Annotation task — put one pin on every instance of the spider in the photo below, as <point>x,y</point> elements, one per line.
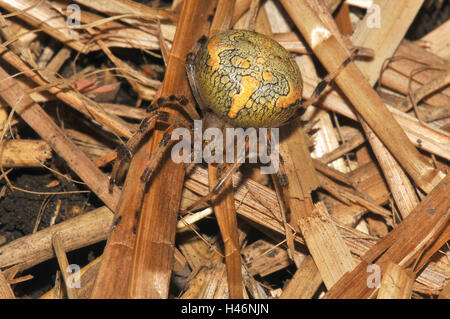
<point>239,78</point>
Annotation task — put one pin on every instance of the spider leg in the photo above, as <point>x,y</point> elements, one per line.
<point>173,101</point>
<point>321,86</point>
<point>217,189</point>
<point>126,151</point>
<point>281,182</point>
<point>165,144</point>
<point>224,178</point>
<point>190,72</point>
<point>281,175</point>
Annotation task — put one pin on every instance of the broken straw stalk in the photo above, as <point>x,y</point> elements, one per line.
<point>24,153</point>
<point>361,94</point>
<point>95,225</point>
<point>36,117</point>
<point>430,139</point>
<point>48,16</point>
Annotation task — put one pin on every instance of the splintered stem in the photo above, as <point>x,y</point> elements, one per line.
<point>365,100</point>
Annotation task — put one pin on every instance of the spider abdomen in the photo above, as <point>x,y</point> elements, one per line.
<point>247,79</point>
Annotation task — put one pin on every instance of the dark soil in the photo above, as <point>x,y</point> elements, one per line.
<point>18,215</point>
<point>19,210</point>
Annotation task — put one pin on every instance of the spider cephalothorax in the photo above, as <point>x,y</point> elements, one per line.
<point>246,78</point>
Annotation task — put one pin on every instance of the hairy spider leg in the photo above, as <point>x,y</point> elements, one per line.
<point>127,150</point>
<point>217,189</point>
<point>165,144</point>
<point>281,179</point>
<point>229,170</point>
<point>322,85</point>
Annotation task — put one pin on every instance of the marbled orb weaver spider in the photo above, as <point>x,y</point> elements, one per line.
<point>239,78</point>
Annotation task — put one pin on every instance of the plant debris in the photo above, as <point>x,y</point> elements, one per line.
<point>358,209</point>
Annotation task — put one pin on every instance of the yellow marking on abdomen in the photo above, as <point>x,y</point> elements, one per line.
<point>268,77</point>
<point>292,97</point>
<point>214,50</point>
<point>248,85</point>
<point>240,62</point>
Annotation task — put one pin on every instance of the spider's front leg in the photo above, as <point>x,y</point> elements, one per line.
<point>165,143</point>
<point>322,85</point>
<point>126,151</point>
